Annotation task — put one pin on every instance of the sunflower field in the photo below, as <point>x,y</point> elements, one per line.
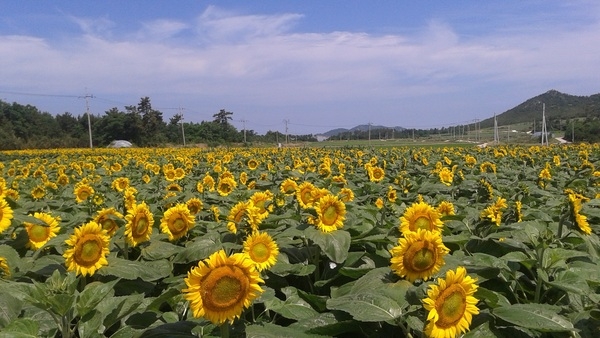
<point>301,242</point>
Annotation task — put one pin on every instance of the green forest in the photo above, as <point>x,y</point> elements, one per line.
<point>26,127</point>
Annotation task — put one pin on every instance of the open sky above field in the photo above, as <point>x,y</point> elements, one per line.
<point>319,65</point>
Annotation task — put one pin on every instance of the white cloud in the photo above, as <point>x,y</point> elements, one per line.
<point>259,61</point>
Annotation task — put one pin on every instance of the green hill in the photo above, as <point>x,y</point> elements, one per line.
<point>559,106</point>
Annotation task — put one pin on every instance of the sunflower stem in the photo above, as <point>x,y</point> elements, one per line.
<point>126,250</point>
<point>224,328</point>
<point>538,286</point>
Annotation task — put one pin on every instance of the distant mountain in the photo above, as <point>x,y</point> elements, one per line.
<point>558,106</point>
<point>361,127</point>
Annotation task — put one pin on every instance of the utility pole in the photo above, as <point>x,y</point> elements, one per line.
<point>244,122</point>
<point>369,132</point>
<point>544,132</point>
<point>182,129</point>
<point>496,138</point>
<point>286,121</point>
<point>87,110</point>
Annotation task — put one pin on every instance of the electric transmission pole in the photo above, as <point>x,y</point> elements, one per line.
<point>87,110</point>
<point>286,121</point>
<point>182,129</point>
<point>244,122</point>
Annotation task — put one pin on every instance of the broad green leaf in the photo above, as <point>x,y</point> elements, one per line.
<point>267,330</point>
<point>198,249</point>
<point>293,307</point>
<point>10,307</point>
<point>534,316</point>
<point>159,250</point>
<point>21,328</point>
<point>554,255</point>
<point>93,294</point>
<point>332,324</point>
<point>367,307</point>
<point>171,330</point>
<point>571,282</point>
<point>334,244</point>
<point>126,269</point>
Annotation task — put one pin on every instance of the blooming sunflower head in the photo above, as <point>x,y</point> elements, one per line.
<point>6,215</point>
<point>194,205</point>
<point>304,195</point>
<point>446,176</point>
<point>451,304</point>
<point>120,184</point>
<point>109,219</point>
<point>420,216</point>
<point>88,248</point>
<point>376,174</point>
<point>83,192</point>
<point>262,250</point>
<point>331,213</point>
<point>446,208</point>
<point>40,234</point>
<point>346,195</point>
<point>419,255</point>
<point>177,221</point>
<point>288,186</point>
<point>139,224</point>
<point>226,186</point>
<point>38,192</point>
<point>222,286</point>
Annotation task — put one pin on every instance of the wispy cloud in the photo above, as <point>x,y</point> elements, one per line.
<point>261,62</point>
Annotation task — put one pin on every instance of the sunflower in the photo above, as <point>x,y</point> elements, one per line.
<point>243,178</point>
<point>129,197</point>
<point>446,208</point>
<point>40,234</point>
<point>82,192</point>
<point>262,250</point>
<point>139,224</point>
<point>179,173</point>
<point>420,216</point>
<point>379,203</point>
<point>252,164</point>
<point>38,192</point>
<point>240,212</point>
<point>419,255</point>
<point>582,223</point>
<point>346,195</point>
<point>392,194</point>
<point>222,286</point>
<point>6,215</point>
<point>304,194</point>
<point>177,221</point>
<point>174,187</point>
<point>446,176</point>
<point>376,174</point>
<point>4,268</point>
<point>146,178</point>
<point>260,200</point>
<point>3,187</point>
<point>107,218</point>
<point>451,304</point>
<point>288,186</point>
<point>209,182</point>
<point>88,249</point>
<point>194,205</point>
<point>226,186</point>
<point>120,184</point>
<point>331,213</point>
<point>170,174</point>
<point>62,180</point>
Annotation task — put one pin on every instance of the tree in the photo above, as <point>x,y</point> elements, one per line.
<point>222,117</point>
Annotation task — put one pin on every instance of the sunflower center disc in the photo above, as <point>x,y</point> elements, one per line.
<point>260,252</point>
<point>38,233</point>
<point>226,291</point>
<point>90,251</point>
<point>84,195</point>
<point>178,225</point>
<point>452,306</point>
<point>141,227</point>
<point>422,223</point>
<point>423,259</point>
<point>108,224</point>
<point>330,215</point>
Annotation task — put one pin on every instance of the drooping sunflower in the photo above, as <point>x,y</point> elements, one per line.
<point>446,208</point>
<point>108,218</point>
<point>194,205</point>
<point>177,221</point>
<point>4,268</point>
<point>82,192</point>
<point>420,216</point>
<point>446,176</point>
<point>88,249</point>
<point>451,304</point>
<point>222,286</point>
<point>242,211</point>
<point>139,224</point>
<point>331,213</point>
<point>262,250</point>
<point>346,195</point>
<point>209,182</point>
<point>261,200</point>
<point>129,197</point>
<point>419,255</point>
<point>40,234</point>
<point>6,215</point>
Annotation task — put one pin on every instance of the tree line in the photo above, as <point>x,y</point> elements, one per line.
<point>26,127</point>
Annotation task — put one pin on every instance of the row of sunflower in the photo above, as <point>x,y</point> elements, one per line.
<point>300,242</point>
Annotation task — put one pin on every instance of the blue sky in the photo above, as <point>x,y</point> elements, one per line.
<point>318,64</point>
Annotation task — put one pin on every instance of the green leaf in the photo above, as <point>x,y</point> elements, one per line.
<point>160,250</point>
<point>334,244</point>
<point>328,323</point>
<point>534,316</point>
<point>367,307</point>
<point>293,307</point>
<point>571,282</point>
<point>266,330</point>
<point>554,255</point>
<point>126,269</point>
<point>92,295</point>
<point>10,307</point>
<point>198,249</point>
<point>21,328</point>
<point>172,330</point>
